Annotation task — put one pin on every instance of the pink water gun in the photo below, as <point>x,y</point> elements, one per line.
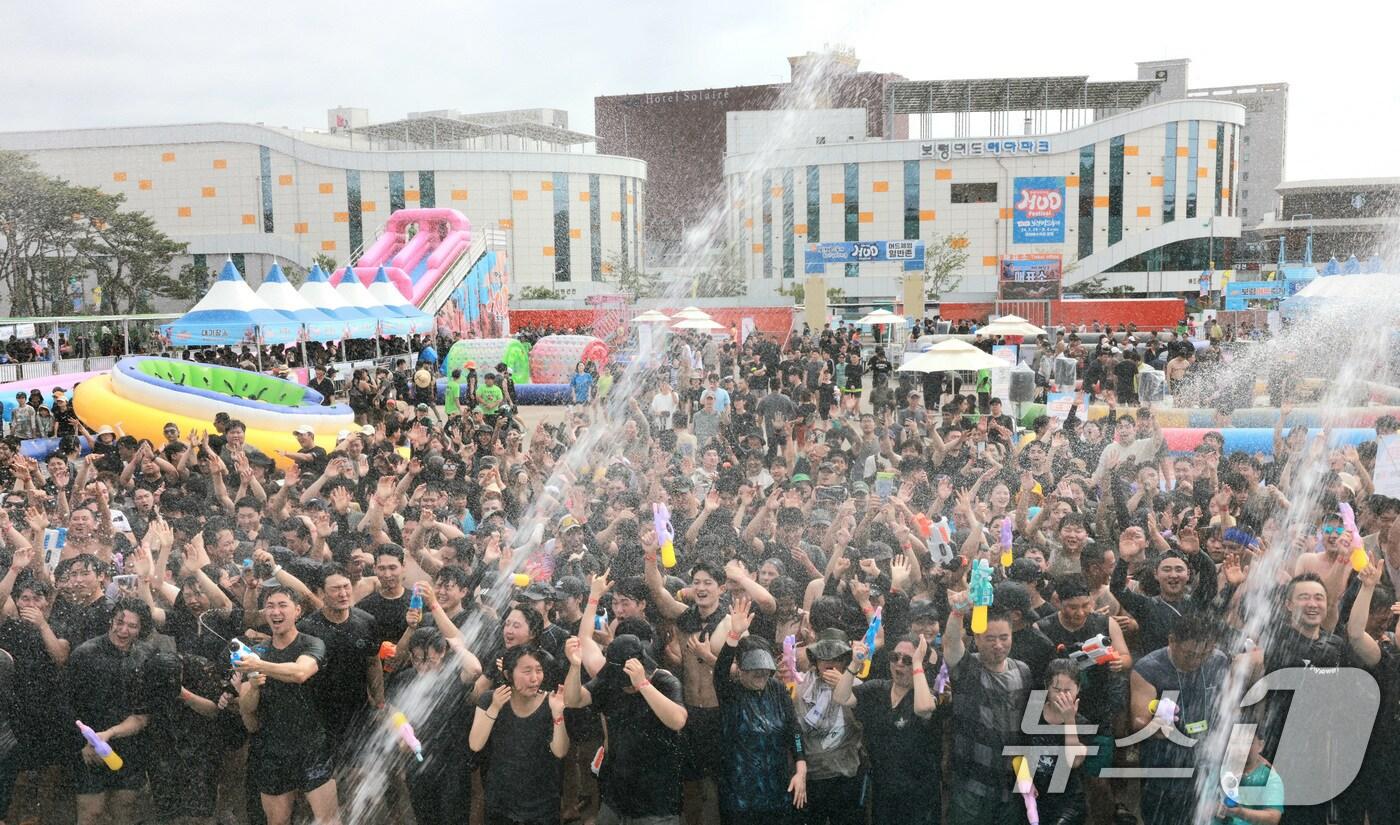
<point>940,682</point>
<point>1026,788</point>
<point>1359,559</point>
<point>1006,557</point>
<point>665,535</point>
<point>791,676</point>
<point>406,734</point>
<point>104,751</point>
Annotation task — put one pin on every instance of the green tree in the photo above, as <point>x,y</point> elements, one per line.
<point>541,293</point>
<point>797,291</point>
<point>724,278</point>
<point>131,258</point>
<point>326,262</point>
<point>1096,287</point>
<point>634,280</point>
<point>944,260</point>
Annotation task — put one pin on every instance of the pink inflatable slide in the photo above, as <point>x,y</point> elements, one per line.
<point>415,264</point>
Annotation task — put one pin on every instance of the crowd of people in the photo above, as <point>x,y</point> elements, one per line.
<point>775,581</point>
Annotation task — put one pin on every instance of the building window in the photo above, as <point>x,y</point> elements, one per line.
<point>562,270</point>
<point>852,187</point>
<point>637,222</point>
<point>767,195</point>
<point>396,199</point>
<point>1219,166</point>
<point>1234,184</point>
<point>622,207</point>
<point>789,219</point>
<point>427,190</point>
<point>352,206</point>
<point>265,175</point>
<point>911,200</point>
<point>814,205</point>
<point>1086,201</point>
<point>973,193</point>
<point>595,228</point>
<point>1189,255</point>
<point>1193,162</point>
<point>1169,175</point>
<point>1115,190</point>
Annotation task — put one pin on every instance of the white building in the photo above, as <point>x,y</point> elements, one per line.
<point>1136,196</point>
<point>264,194</point>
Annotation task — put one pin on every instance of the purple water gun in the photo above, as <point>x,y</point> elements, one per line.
<point>665,535</point>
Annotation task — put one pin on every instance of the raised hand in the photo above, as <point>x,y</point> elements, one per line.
<point>635,671</point>
<point>572,652</point>
<point>499,697</point>
<point>740,615</point>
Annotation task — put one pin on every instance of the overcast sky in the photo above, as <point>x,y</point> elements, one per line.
<point>91,63</point>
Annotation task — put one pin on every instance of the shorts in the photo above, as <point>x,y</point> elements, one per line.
<point>96,779</point>
<point>275,775</point>
<point>1095,763</point>
<point>607,816</point>
<point>702,754</point>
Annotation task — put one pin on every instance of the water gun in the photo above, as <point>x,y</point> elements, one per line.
<point>1026,788</point>
<point>870,633</point>
<point>940,682</point>
<point>790,663</point>
<point>1006,557</point>
<point>415,602</point>
<point>980,592</point>
<point>104,750</point>
<point>387,650</point>
<point>1359,559</point>
<point>1090,652</point>
<point>665,534</point>
<point>238,651</point>
<point>406,734</point>
<point>1163,710</point>
<point>520,579</point>
<point>600,620</point>
<point>1230,784</point>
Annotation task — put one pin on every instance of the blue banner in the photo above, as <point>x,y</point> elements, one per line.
<point>1039,211</point>
<point>821,255</point>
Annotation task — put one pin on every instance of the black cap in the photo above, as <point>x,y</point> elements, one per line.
<point>1024,570</point>
<point>570,586</point>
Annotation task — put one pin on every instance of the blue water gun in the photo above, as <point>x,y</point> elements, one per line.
<point>876,621</point>
<point>980,592</point>
<point>415,602</point>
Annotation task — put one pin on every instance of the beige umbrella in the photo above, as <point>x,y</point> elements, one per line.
<point>881,317</point>
<point>698,323</point>
<point>651,316</point>
<point>692,314</point>
<point>953,356</point>
<point>1011,325</point>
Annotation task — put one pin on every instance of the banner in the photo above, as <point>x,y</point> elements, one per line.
<point>1029,279</point>
<point>1387,475</point>
<point>910,254</point>
<point>1039,211</point>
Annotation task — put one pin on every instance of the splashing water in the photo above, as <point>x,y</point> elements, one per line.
<point>378,751</point>
<point>1346,343</point>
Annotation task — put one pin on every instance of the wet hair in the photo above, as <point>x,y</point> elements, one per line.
<point>283,590</point>
<point>1194,626</point>
<point>131,604</point>
<point>712,568</point>
<point>454,575</point>
<point>332,569</point>
<point>533,620</point>
<point>636,627</point>
<point>1061,667</point>
<point>513,655</point>
<point>87,560</point>
<point>1072,586</point>
<point>427,638</point>
<point>1300,579</point>
<point>388,548</point>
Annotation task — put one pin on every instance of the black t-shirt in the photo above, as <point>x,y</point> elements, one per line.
<point>339,687</point>
<point>326,387</point>
<point>523,780</point>
<point>1320,658</point>
<point>104,683</point>
<point>1031,646</point>
<point>445,730</point>
<point>77,623</point>
<point>390,615</point>
<point>317,465</point>
<point>905,751</point>
<point>205,635</point>
<point>1102,692</point>
<point>641,772</point>
<point>287,719</point>
<point>38,711</point>
<point>880,371</point>
<point>1069,805</point>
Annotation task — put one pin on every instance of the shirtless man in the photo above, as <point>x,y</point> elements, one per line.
<point>1176,371</point>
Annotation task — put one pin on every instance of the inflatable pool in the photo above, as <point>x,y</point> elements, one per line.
<point>1247,417</point>
<point>144,394</point>
<point>487,353</point>
<point>44,385</point>
<point>1251,439</point>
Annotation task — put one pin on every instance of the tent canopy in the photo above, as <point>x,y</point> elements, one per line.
<point>277,292</point>
<point>384,291</point>
<point>231,313</point>
<point>318,292</point>
<point>357,295</point>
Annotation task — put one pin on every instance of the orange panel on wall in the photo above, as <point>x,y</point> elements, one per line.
<point>585,196</point>
<point>799,229</point>
<point>989,260</point>
<point>1101,200</point>
<point>411,195</point>
<point>206,192</point>
<point>1071,181</point>
<point>284,180</point>
<point>928,215</point>
<point>758,248</point>
<point>1224,192</point>
<point>519,195</point>
<point>607,268</point>
<point>1144,211</point>
<point>943,173</point>
<point>185,212</point>
<point>748,223</point>
<point>368,206</point>
<point>777,193</point>
<point>838,197</point>
<point>575,233</point>
<point>631,199</point>
<point>960,242</point>
<point>1202,172</point>
<point>1157,180</point>
<point>1005,214</point>
<point>867,217</point>
<point>143,184</point>
<point>299,228</point>
<point>249,220</point>
<point>167,157</point>
<point>459,194</point>
<point>507,223</point>
<point>327,246</point>
<point>326,188</point>
<point>342,217</point>
<point>220,163</point>
<point>1182,151</point>
<point>880,186</point>
<point>547,186</point>
<point>118,176</point>
<point>549,251</point>
<point>616,217</point>
<point>1130,151</point>
<point>1211,144</point>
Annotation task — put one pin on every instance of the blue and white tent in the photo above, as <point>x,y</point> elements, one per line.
<point>356,295</point>
<point>318,292</point>
<point>278,293</point>
<point>384,291</point>
<point>231,313</point>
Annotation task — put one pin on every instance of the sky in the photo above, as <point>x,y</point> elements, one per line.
<point>141,62</point>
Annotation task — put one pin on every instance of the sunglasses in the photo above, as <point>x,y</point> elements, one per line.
<point>902,659</point>
<point>1333,531</point>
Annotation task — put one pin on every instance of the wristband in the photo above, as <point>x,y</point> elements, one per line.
<point>868,609</point>
<point>558,720</point>
<point>855,672</point>
<point>918,671</point>
<point>734,637</point>
<point>643,683</point>
<point>489,716</point>
<point>650,557</point>
<point>592,600</point>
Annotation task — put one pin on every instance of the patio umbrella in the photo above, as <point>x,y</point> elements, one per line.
<point>1011,325</point>
<point>651,316</point>
<point>693,314</point>
<point>698,323</point>
<point>953,356</point>
<point>881,317</point>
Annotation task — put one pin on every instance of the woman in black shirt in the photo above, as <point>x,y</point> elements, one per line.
<point>519,727</point>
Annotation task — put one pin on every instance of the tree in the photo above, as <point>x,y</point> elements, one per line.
<point>541,293</point>
<point>131,258</point>
<point>943,264</point>
<point>326,262</point>
<point>1095,287</point>
<point>631,279</point>
<point>724,278</point>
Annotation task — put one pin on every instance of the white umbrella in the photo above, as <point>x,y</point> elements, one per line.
<point>651,316</point>
<point>693,314</point>
<point>953,356</point>
<point>1011,325</point>
<point>698,323</point>
<point>881,317</point>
